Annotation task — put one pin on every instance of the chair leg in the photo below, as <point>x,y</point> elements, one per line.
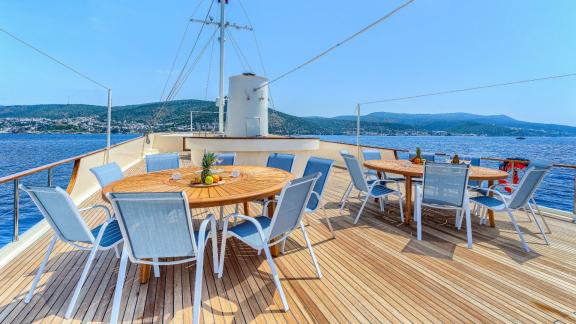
<point>119,287</point>
<point>468,226</point>
<point>276,277</point>
<point>40,270</point>
<point>346,194</point>
<point>346,197</point>
<point>361,208</point>
<point>519,231</point>
<point>156,268</point>
<point>214,243</point>
<point>283,247</point>
<point>401,204</point>
<point>328,222</point>
<point>549,231</point>
<point>460,217</point>
<point>198,284</point>
<point>117,252</point>
<point>381,203</point>
<point>83,277</point>
<point>314,260</point>
<point>222,251</point>
<point>539,225</point>
<point>418,218</point>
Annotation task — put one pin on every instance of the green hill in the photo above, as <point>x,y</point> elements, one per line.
<point>175,115</point>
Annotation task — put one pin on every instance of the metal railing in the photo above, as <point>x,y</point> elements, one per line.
<point>49,168</point>
<point>396,151</point>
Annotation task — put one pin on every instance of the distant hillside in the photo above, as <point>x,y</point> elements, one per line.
<point>175,116</point>
<point>492,125</point>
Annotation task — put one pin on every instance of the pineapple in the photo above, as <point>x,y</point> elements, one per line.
<point>456,159</point>
<point>207,160</point>
<point>418,158</point>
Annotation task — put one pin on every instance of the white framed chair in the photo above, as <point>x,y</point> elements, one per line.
<point>159,225</point>
<point>162,161</point>
<point>444,186</point>
<point>371,176</point>
<point>69,227</point>
<point>519,199</point>
<point>262,232</point>
<point>371,189</point>
<point>316,165</point>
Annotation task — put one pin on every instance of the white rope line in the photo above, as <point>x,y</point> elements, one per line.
<point>333,47</point>
<point>179,49</point>
<point>469,89</point>
<point>182,71</point>
<point>53,59</point>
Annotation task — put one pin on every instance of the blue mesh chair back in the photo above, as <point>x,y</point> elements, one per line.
<point>535,173</point>
<point>431,157</point>
<point>107,173</point>
<point>369,155</point>
<point>61,213</point>
<point>445,184</point>
<point>474,161</point>
<point>280,161</point>
<point>225,158</point>
<point>291,205</point>
<point>155,225</point>
<point>356,172</point>
<point>320,166</point>
<point>162,161</point>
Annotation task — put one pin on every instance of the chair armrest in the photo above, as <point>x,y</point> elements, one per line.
<point>499,194</point>
<point>106,210</point>
<point>251,220</point>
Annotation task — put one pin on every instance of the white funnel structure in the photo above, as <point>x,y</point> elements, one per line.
<point>247,111</point>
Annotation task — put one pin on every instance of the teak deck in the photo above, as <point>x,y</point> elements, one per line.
<point>375,271</point>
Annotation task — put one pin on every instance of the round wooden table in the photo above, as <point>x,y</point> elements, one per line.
<point>253,183</point>
<point>410,171</point>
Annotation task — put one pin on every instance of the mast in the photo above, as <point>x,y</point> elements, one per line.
<point>222,24</point>
<point>221,82</point>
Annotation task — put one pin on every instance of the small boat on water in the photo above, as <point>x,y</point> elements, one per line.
<point>520,138</point>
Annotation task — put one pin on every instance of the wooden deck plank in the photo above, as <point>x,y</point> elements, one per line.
<point>373,271</point>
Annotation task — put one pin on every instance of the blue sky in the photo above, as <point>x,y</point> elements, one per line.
<point>432,45</point>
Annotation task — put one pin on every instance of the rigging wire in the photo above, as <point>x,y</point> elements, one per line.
<point>195,62</point>
<point>333,47</point>
<point>209,69</point>
<point>54,59</point>
<point>179,49</point>
<point>243,60</point>
<point>182,71</point>
<point>494,85</point>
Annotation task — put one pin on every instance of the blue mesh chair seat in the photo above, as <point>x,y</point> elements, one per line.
<point>158,226</point>
<point>519,199</point>
<point>162,161</point>
<point>249,232</point>
<point>375,189</point>
<point>64,218</point>
<point>107,173</point>
<point>262,232</point>
<point>111,234</point>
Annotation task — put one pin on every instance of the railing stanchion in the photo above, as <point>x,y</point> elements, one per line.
<point>16,209</point>
<point>574,200</point>
<point>50,177</point>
